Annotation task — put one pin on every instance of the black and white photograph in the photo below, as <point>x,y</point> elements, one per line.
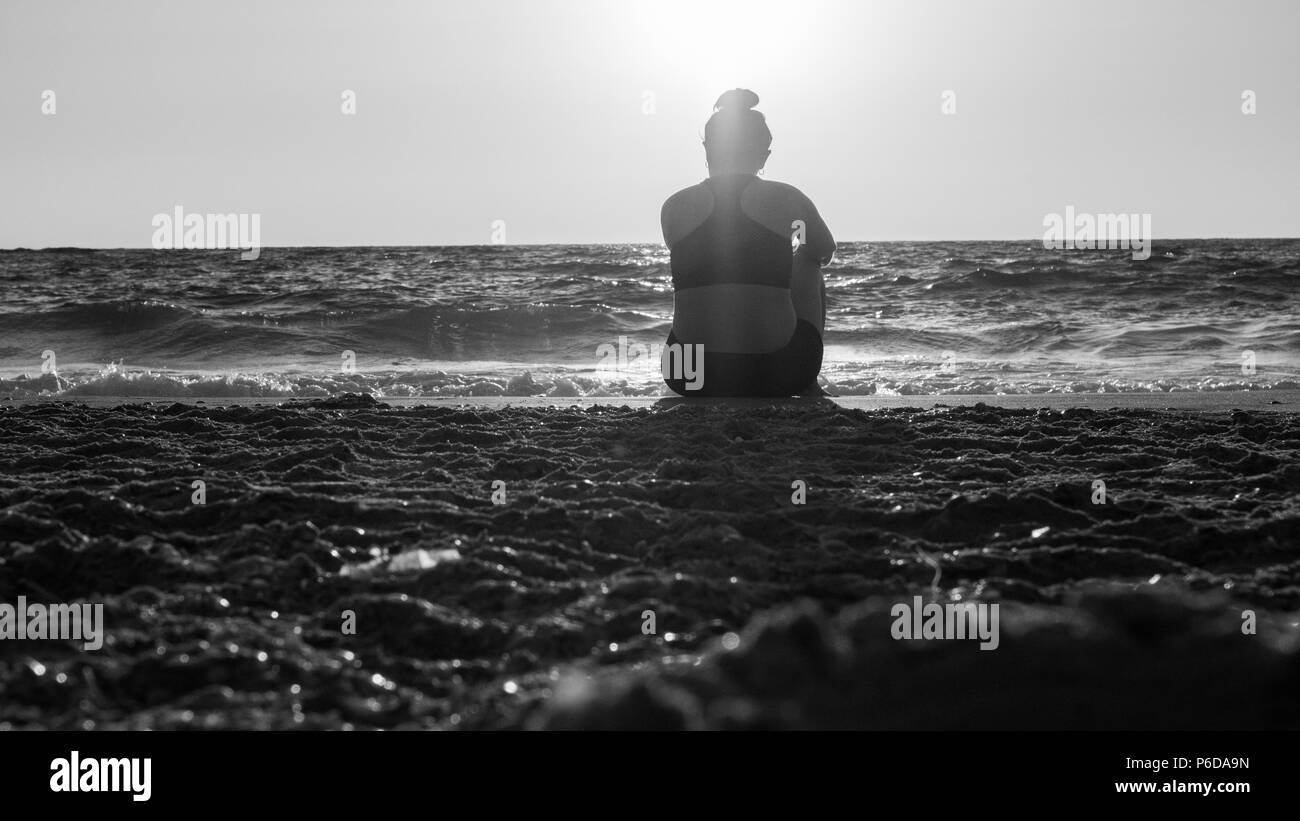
<point>384,376</point>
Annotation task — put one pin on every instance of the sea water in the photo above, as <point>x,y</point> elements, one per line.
<point>904,318</point>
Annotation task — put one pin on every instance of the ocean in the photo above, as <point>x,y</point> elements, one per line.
<point>910,318</point>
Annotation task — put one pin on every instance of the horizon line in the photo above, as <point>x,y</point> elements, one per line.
<point>17,248</point>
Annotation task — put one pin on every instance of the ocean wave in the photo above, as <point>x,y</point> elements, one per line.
<point>917,378</point>
<point>117,316</point>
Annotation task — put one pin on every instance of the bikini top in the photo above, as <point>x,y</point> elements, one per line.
<point>731,248</point>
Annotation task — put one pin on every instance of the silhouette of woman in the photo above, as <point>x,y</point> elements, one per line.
<point>740,288</point>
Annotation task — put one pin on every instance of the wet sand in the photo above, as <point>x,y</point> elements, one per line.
<point>767,612</point>
<point>1177,400</point>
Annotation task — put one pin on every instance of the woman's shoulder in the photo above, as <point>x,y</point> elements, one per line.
<point>774,204</point>
<point>685,210</point>
<point>689,195</point>
<point>777,191</point>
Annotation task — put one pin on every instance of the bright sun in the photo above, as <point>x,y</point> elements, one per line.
<point>719,44</point>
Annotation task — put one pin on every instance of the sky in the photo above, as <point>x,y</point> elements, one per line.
<point>570,121</point>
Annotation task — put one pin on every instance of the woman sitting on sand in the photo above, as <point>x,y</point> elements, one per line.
<point>740,290</point>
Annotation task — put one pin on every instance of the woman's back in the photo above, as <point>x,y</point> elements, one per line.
<point>731,262</point>
<point>732,240</point>
<point>746,261</point>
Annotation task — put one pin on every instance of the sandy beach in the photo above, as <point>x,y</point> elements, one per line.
<point>345,562</point>
<point>381,381</point>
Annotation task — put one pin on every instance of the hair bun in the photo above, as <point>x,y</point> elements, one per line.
<point>737,98</point>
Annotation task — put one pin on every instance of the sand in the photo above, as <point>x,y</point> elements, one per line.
<point>766,613</point>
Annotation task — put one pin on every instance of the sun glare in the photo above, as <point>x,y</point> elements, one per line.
<point>718,44</point>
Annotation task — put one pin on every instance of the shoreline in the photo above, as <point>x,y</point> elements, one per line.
<point>1206,401</point>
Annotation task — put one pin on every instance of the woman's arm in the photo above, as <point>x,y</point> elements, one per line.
<point>817,237</point>
<point>808,290</point>
<point>807,284</point>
